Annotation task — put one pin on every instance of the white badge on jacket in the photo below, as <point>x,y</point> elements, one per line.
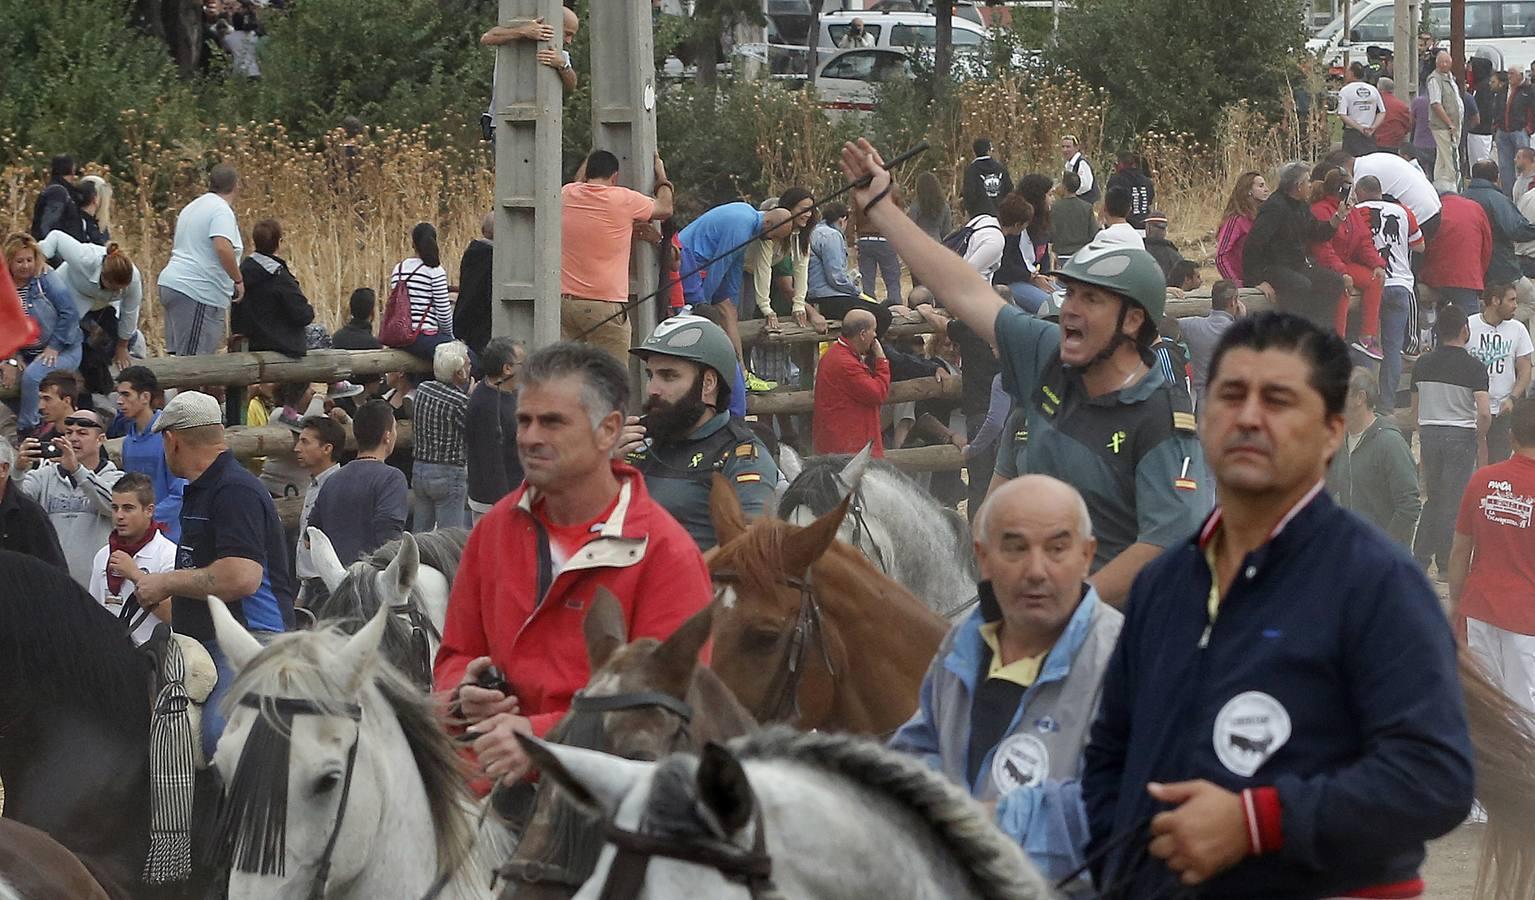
<point>1020,761</point>
<point>1250,729</point>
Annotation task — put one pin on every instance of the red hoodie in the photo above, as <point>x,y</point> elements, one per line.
<point>1351,244</point>
<point>639,553</point>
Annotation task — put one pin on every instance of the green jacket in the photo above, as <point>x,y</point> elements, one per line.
<point>1378,480</point>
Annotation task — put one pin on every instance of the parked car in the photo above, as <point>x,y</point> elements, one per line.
<point>1504,26</point>
<point>848,81</point>
<point>894,30</point>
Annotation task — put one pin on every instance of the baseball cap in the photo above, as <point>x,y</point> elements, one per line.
<point>189,409</point>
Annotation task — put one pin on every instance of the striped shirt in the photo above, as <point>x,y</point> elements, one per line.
<point>439,424</point>
<point>428,287</point>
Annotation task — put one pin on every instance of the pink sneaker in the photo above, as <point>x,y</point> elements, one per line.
<point>1369,346</point>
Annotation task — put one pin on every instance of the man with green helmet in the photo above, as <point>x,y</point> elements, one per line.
<point>687,433</point>
<point>1099,415</point>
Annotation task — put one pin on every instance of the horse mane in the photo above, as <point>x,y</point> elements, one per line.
<point>996,864</point>
<point>301,664</point>
<point>72,652</point>
<point>756,556</point>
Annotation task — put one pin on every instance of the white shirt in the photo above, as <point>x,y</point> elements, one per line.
<point>1526,204</point>
<point>194,267</point>
<point>1497,348</point>
<point>1395,231</point>
<point>984,252</point>
<point>242,53</point>
<point>1402,180</point>
<point>1079,164</point>
<point>1121,233</point>
<point>159,555</point>
<point>1360,103</point>
<point>302,566</point>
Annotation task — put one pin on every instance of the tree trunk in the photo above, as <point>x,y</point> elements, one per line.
<point>943,50</point>
<point>706,35</point>
<point>813,41</point>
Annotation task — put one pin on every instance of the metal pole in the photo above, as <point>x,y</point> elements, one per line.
<point>528,111</point>
<point>623,80</point>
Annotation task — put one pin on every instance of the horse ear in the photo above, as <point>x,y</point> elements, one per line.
<point>723,789</point>
<point>725,510</point>
<point>322,555</point>
<point>361,652</point>
<point>806,545</point>
<point>402,570</point>
<point>596,781</point>
<point>677,656</point>
<point>789,462</point>
<point>239,645</point>
<point>852,473</point>
<point>604,628</point>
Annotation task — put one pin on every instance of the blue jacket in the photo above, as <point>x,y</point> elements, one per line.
<point>1044,738</point>
<point>47,300</point>
<point>1509,227</point>
<point>1327,683</point>
<point>144,451</point>
<point>828,265</point>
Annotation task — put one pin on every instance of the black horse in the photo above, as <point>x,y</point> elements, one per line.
<point>74,724</point>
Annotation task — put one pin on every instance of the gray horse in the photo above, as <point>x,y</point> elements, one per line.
<point>892,520</point>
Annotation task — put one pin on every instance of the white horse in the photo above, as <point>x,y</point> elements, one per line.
<point>339,779</point>
<point>892,520</point>
<point>411,577</point>
<point>838,818</point>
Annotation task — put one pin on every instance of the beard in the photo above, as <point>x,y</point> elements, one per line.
<point>668,422</point>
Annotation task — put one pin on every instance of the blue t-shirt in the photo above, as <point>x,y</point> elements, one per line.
<point>720,229</point>
<point>227,512</point>
<point>144,451</point>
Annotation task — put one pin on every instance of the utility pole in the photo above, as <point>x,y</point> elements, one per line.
<point>623,80</point>
<point>1404,65</point>
<point>528,112</point>
<point>1458,37</point>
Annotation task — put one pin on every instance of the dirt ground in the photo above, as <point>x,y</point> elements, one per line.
<point>1451,867</point>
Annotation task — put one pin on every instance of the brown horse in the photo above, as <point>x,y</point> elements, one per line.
<point>807,630</point>
<point>644,701</point>
<point>37,867</point>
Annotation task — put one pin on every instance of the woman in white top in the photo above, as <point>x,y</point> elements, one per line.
<point>431,309</point>
<point>101,277</point>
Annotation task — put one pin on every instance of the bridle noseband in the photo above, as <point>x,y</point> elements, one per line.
<point>626,877</point>
<point>781,698</point>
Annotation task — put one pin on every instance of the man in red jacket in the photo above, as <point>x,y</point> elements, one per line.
<point>849,391</point>
<point>1455,264</point>
<point>581,521</point>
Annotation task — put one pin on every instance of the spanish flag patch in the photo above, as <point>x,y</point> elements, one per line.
<point>748,478</point>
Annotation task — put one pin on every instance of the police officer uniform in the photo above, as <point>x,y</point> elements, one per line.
<point>680,475</point>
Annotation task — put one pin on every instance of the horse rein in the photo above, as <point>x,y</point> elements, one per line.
<point>785,684</point>
<point>860,526</point>
<point>626,877</point>
<point>422,633</point>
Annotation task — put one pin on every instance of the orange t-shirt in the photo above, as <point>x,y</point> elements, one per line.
<point>596,232</point>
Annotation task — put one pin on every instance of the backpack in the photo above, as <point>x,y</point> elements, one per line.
<point>396,329</point>
<point>958,240</point>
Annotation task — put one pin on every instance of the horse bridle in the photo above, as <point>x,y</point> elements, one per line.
<point>860,526</point>
<point>422,632</point>
<point>538,871</point>
<point>626,877</point>
<point>781,698</point>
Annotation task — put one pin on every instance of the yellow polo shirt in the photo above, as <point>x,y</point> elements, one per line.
<point>1022,671</point>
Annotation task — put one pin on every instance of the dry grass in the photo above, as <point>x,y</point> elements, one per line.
<point>346,208</point>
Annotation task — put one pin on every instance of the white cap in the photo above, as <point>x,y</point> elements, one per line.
<point>189,409</point>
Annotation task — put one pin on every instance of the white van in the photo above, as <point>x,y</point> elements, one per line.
<point>1506,26</point>
<point>895,31</point>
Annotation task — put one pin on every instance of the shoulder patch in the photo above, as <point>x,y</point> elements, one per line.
<point>1185,421</point>
<point>747,450</point>
<point>748,478</point>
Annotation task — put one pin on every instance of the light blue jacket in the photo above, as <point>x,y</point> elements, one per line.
<point>1048,730</point>
<point>47,300</point>
<point>828,265</point>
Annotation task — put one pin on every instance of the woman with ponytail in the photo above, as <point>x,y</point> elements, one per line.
<point>101,278</point>
<point>425,280</point>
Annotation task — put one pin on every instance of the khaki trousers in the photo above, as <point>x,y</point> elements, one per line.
<point>1447,156</point>
<point>579,320</point>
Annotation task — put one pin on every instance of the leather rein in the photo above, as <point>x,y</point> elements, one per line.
<point>752,868</point>
<point>781,698</point>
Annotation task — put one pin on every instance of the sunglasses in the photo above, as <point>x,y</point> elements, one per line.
<point>82,421</point>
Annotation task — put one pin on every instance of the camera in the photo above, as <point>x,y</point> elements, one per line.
<point>493,680</point>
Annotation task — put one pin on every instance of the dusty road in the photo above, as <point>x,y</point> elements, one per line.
<point>1451,869</point>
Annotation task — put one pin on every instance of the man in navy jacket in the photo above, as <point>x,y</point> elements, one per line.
<point>1283,705</point>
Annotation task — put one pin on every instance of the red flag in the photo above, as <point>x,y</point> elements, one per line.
<point>17,329</point>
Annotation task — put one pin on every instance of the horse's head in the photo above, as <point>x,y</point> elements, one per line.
<point>331,762</point>
<point>817,486</point>
<point>770,643</point>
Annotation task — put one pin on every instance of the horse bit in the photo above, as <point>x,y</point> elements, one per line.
<point>791,667</point>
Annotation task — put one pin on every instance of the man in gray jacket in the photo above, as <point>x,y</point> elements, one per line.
<point>1373,473</point>
<point>1509,226</point>
<point>1006,705</point>
<point>74,488</point>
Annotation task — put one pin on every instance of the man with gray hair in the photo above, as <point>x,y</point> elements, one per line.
<point>203,275</point>
<point>24,526</point>
<point>1007,702</point>
<point>1278,249</point>
<point>582,521</point>
<point>1373,473</point>
<point>1446,115</point>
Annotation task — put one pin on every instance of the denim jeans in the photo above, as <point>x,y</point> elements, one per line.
<point>1029,297</point>
<point>1449,458</point>
<point>1468,299</point>
<point>1395,311</point>
<point>33,375</point>
<point>213,708</point>
<point>425,345</point>
<point>440,496</point>
<point>878,255</point>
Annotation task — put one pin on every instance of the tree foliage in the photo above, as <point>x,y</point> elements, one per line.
<point>1174,64</point>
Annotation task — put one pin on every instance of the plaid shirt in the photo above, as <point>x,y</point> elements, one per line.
<point>439,424</point>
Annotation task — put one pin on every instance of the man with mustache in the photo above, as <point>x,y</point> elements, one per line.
<point>1099,414</point>
<point>688,433</point>
<point>1283,705</point>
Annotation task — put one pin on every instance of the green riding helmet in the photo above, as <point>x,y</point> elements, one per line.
<point>1127,271</point>
<point>693,338</point>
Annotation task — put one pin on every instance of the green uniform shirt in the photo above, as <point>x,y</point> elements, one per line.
<point>679,476</point>
<point>1132,453</point>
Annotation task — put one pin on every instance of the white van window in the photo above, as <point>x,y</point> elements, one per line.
<point>927,36</point>
<point>1481,21</point>
<point>1518,20</point>
<point>868,65</point>
<point>1374,27</point>
<point>838,32</point>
